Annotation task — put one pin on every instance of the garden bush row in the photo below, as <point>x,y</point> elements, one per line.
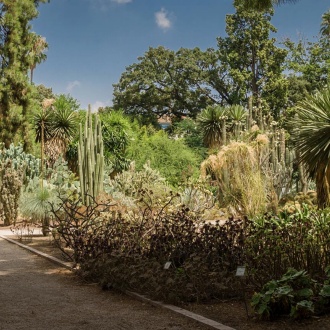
<point>129,250</point>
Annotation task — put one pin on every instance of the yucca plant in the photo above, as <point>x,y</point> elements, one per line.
<point>60,122</point>
<point>212,122</point>
<point>311,136</point>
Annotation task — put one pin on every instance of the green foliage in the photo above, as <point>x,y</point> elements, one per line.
<point>182,83</point>
<point>172,158</point>
<point>188,130</point>
<point>293,294</point>
<point>129,251</point>
<point>117,132</point>
<point>16,169</point>
<point>127,185</point>
<point>251,60</point>
<point>309,132</point>
<point>298,240</point>
<point>15,90</point>
<point>163,82</point>
<point>11,181</point>
<point>212,122</point>
<point>59,121</point>
<point>20,160</point>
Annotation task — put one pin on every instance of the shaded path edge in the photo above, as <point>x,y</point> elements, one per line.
<point>68,265</point>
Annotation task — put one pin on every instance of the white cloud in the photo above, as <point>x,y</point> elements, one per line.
<point>104,5</point>
<point>121,1</point>
<point>99,104</point>
<point>71,85</point>
<point>162,19</point>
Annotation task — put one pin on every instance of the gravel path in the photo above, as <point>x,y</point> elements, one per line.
<point>36,294</point>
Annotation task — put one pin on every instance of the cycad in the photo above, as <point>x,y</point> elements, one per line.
<point>311,136</point>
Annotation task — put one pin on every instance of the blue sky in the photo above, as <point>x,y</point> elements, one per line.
<point>92,41</point>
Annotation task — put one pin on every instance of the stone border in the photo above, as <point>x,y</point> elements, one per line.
<point>68,265</point>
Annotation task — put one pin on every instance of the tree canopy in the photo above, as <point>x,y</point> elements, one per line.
<point>15,62</point>
<point>182,83</point>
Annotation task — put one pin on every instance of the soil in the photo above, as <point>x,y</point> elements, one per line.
<point>233,313</point>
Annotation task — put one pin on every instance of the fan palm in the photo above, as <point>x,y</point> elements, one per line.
<point>325,24</point>
<point>212,122</point>
<point>37,53</point>
<point>311,136</point>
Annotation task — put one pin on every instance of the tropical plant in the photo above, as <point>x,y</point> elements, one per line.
<point>37,54</point>
<point>55,125</point>
<point>325,25</point>
<point>212,122</point>
<point>292,294</point>
<point>310,130</point>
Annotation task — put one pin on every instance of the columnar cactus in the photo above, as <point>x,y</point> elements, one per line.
<point>91,159</point>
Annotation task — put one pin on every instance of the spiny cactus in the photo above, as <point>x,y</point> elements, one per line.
<point>91,159</point>
<point>21,161</point>
<point>11,181</point>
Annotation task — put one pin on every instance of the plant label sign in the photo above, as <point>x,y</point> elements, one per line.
<point>240,271</point>
<point>167,265</point>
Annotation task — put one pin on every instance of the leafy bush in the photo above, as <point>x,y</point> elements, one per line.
<point>129,250</point>
<point>295,294</point>
<point>172,158</point>
<point>301,241</point>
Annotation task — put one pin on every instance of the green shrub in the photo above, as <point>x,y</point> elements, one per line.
<point>172,158</point>
<point>295,294</point>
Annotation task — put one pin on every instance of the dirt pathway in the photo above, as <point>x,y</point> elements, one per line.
<point>37,295</point>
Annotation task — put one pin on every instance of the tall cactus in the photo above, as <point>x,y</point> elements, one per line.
<point>91,159</point>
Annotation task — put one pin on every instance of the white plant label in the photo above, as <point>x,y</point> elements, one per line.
<point>167,265</point>
<point>240,271</point>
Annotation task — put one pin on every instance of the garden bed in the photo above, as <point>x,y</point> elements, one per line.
<point>229,312</point>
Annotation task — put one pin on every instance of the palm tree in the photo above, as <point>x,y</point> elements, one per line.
<point>325,25</point>
<point>37,53</point>
<point>262,5</point>
<point>311,136</point>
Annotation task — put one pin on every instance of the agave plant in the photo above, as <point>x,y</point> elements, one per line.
<point>236,115</point>
<point>311,137</point>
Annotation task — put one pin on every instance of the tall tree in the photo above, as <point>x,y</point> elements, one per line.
<point>247,61</point>
<point>325,25</point>
<point>163,82</point>
<point>37,53</point>
<point>261,5</point>
<point>16,43</point>
<point>183,83</point>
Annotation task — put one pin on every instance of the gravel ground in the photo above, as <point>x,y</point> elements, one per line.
<point>36,294</point>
